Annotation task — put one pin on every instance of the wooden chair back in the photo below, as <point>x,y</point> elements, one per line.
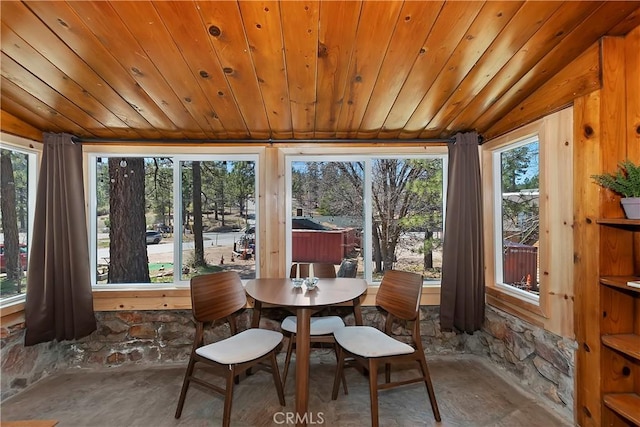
<point>216,295</point>
<point>321,270</point>
<point>399,294</point>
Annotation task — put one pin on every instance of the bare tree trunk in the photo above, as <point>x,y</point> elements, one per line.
<point>10,221</point>
<point>197,216</point>
<point>428,252</point>
<point>377,252</point>
<point>129,262</point>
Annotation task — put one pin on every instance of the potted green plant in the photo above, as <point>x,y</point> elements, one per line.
<point>626,182</point>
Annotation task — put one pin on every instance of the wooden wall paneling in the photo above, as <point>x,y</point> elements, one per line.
<point>116,37</point>
<point>412,29</point>
<point>632,73</point>
<point>574,44</point>
<point>491,20</point>
<point>27,82</point>
<point>300,34</point>
<point>578,78</point>
<point>159,45</point>
<point>118,83</point>
<point>586,161</point>
<point>264,34</point>
<point>15,126</point>
<point>556,225</point>
<point>453,21</point>
<point>195,46</point>
<point>271,214</point>
<point>550,34</point>
<point>341,20</point>
<point>371,45</point>
<point>234,55</point>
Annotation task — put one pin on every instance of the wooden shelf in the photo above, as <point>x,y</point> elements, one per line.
<point>620,282</point>
<point>621,222</point>
<point>624,404</point>
<point>628,344</point>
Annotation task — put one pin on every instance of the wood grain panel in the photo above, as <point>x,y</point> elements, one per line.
<point>413,27</point>
<point>371,45</point>
<point>300,34</point>
<point>264,33</point>
<point>586,161</point>
<point>578,78</point>
<point>491,20</point>
<point>632,73</point>
<point>26,116</point>
<point>235,57</point>
<point>159,47</point>
<point>15,126</point>
<point>580,38</point>
<point>195,47</point>
<point>550,34</point>
<point>113,34</point>
<point>453,22</point>
<point>109,74</point>
<point>335,48</point>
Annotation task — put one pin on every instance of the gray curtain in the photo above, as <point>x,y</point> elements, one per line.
<point>59,302</point>
<point>462,293</point>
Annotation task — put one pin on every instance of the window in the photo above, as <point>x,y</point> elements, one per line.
<point>517,219</point>
<point>381,212</point>
<point>17,199</point>
<point>164,219</point>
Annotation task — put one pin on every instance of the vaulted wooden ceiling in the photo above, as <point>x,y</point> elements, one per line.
<point>302,70</point>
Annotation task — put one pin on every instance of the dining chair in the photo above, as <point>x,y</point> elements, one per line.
<point>219,296</point>
<point>399,296</point>
<point>321,327</point>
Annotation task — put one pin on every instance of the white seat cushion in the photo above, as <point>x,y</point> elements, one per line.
<point>321,325</point>
<point>367,341</point>
<point>242,347</point>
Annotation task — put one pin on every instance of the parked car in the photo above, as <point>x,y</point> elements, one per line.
<point>23,257</point>
<point>153,237</point>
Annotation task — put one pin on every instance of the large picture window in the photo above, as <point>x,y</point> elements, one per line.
<point>17,202</point>
<point>164,219</point>
<point>380,213</point>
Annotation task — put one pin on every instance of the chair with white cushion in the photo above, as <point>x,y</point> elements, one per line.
<point>321,327</point>
<point>399,296</point>
<point>219,296</point>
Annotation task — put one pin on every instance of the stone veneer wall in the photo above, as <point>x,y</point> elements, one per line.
<point>541,362</point>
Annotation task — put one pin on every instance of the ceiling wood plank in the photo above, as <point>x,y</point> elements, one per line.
<point>13,125</point>
<point>413,28</point>
<point>33,119</point>
<point>451,25</point>
<point>561,23</point>
<point>109,82</point>
<point>300,34</point>
<point>114,35</point>
<point>12,91</point>
<point>159,46</point>
<point>491,20</point>
<point>568,49</point>
<point>195,46</point>
<point>264,33</point>
<point>371,44</point>
<point>579,78</point>
<point>336,38</point>
<point>234,55</point>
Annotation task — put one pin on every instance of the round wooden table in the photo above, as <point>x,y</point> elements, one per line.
<point>281,292</point>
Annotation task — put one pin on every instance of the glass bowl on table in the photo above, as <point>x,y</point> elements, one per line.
<point>311,283</point>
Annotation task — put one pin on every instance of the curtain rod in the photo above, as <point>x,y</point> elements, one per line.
<point>270,141</point>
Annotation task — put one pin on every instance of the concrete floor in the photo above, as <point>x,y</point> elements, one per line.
<point>470,392</point>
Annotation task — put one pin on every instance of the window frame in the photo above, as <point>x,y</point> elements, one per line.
<point>367,157</point>
<point>33,151</point>
<point>555,250</point>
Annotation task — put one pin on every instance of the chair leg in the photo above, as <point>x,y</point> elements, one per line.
<point>228,397</point>
<point>427,381</point>
<point>276,378</point>
<point>339,373</point>
<point>185,386</point>
<point>373,391</point>
<point>287,359</point>
<point>387,372</point>
<point>344,379</point>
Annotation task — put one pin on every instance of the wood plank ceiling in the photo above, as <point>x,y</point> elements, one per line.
<point>303,70</point>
